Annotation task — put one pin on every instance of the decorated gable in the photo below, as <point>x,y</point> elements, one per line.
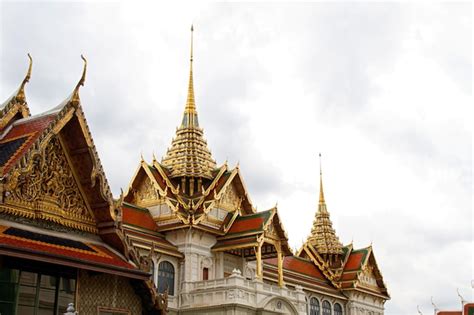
<point>230,200</point>
<point>368,279</point>
<point>47,189</point>
<point>145,193</point>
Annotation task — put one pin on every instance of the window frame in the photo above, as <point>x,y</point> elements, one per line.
<point>318,311</point>
<point>170,287</point>
<point>341,309</point>
<point>330,307</point>
<point>37,288</point>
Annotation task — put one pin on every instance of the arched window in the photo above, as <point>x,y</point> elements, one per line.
<point>166,277</point>
<point>314,308</point>
<point>326,308</point>
<point>337,309</point>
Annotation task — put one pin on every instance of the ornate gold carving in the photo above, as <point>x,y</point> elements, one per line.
<point>188,154</point>
<point>146,194</point>
<point>229,200</point>
<point>368,279</point>
<point>47,189</point>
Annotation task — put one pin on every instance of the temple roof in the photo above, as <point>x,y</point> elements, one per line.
<point>65,249</point>
<point>301,271</point>
<point>323,236</point>
<point>188,154</point>
<point>357,262</point>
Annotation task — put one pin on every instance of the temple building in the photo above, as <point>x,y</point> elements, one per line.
<point>185,237</point>
<point>60,239</point>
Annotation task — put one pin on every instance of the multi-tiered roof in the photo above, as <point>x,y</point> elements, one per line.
<point>323,236</point>
<point>188,154</point>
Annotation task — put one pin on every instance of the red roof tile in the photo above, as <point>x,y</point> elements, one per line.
<point>298,265</point>
<point>99,255</point>
<point>138,217</point>
<point>355,260</point>
<point>249,223</point>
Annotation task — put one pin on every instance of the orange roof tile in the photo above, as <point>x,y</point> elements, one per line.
<point>138,217</point>
<point>299,265</point>
<point>34,242</point>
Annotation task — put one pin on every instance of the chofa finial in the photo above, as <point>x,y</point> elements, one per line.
<point>20,96</point>
<point>321,191</point>
<point>460,296</point>
<point>75,96</point>
<point>434,305</point>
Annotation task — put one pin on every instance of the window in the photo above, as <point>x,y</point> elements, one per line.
<point>205,273</point>
<point>314,308</point>
<point>337,309</point>
<point>30,293</point>
<point>166,277</point>
<point>326,308</point>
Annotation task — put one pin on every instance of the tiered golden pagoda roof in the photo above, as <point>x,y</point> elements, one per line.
<point>188,154</point>
<point>323,236</point>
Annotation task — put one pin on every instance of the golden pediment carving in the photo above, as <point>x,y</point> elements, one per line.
<point>47,189</point>
<point>229,200</point>
<point>146,194</point>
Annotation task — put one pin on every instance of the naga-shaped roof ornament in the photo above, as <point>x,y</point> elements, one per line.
<point>75,94</point>
<point>20,95</point>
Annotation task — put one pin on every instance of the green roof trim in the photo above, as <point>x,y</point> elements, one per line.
<point>130,205</point>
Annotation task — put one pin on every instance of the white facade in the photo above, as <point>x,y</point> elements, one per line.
<point>231,287</point>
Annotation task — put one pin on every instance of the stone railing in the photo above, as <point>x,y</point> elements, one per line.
<point>235,289</point>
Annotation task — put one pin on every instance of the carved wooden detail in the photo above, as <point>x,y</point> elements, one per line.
<point>46,189</point>
<point>229,200</point>
<point>146,194</point>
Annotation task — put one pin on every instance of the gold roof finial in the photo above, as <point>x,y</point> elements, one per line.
<point>75,93</point>
<point>20,95</point>
<point>190,113</point>
<point>321,192</point>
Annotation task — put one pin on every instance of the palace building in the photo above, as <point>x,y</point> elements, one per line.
<point>184,238</point>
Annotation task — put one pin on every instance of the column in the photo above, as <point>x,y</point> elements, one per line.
<point>280,266</point>
<point>258,254</point>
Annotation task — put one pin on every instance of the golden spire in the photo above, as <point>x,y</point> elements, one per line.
<point>321,192</point>
<point>190,112</point>
<point>75,93</point>
<point>20,95</point>
<point>323,236</point>
<point>188,154</point>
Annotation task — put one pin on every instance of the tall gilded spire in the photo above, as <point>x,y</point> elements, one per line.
<point>190,113</point>
<point>188,155</point>
<point>323,236</point>
<point>321,192</point>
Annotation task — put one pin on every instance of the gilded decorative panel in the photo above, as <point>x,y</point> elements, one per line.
<point>46,189</point>
<point>230,200</point>
<point>146,194</point>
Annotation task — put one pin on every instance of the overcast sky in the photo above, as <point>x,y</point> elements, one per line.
<point>383,90</point>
